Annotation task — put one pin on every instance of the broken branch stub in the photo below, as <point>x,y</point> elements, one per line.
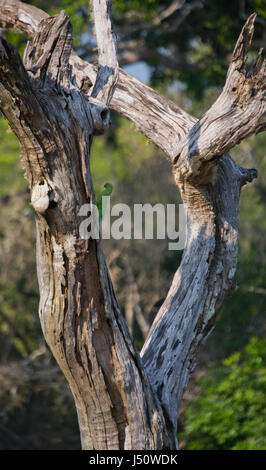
<point>166,124</point>
<point>107,75</point>
<point>47,55</point>
<point>108,69</point>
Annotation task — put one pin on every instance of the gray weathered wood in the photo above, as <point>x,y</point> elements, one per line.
<point>210,188</point>
<point>157,117</point>
<point>80,317</point>
<point>124,400</point>
<point>107,74</point>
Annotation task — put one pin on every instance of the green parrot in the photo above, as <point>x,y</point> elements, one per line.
<point>108,188</point>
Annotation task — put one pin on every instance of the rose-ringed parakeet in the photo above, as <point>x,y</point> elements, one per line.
<point>108,188</point>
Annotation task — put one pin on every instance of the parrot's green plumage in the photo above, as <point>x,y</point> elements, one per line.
<point>108,188</point>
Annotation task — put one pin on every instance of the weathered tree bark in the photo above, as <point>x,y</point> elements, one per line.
<point>79,313</point>
<point>54,103</point>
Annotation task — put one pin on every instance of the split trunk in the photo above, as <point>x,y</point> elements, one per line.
<point>54,104</point>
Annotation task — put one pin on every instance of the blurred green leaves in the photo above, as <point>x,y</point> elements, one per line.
<point>119,155</point>
<point>9,162</point>
<point>230,412</point>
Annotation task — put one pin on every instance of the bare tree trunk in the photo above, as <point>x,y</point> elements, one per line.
<point>123,401</point>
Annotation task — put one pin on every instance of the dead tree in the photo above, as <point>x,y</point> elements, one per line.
<point>54,102</point>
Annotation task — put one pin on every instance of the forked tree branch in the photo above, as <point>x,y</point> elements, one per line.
<point>167,122</point>
<point>80,317</point>
<point>239,112</point>
<point>128,405</point>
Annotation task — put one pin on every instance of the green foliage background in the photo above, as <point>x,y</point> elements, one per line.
<point>230,413</point>
<point>225,408</point>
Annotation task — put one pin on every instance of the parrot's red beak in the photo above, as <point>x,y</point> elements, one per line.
<point>104,185</point>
